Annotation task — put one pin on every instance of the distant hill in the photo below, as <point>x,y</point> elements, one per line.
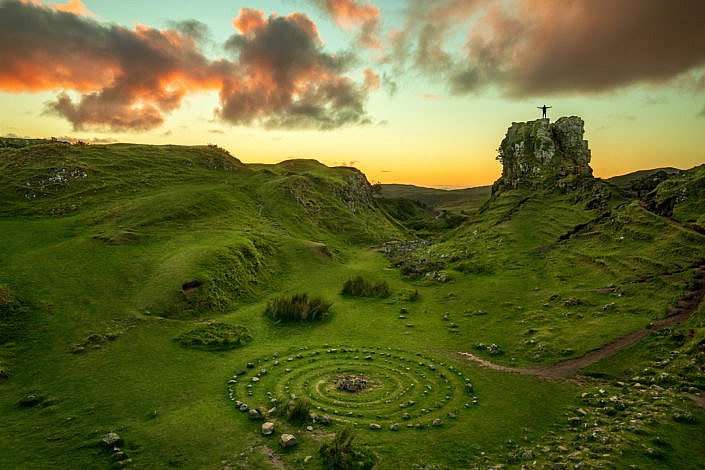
<point>469,199</point>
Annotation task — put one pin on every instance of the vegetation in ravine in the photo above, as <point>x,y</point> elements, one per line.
<point>109,253</point>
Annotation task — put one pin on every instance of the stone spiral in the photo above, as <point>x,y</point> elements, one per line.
<point>375,387</point>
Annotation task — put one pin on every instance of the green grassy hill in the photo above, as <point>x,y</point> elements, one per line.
<point>129,270</point>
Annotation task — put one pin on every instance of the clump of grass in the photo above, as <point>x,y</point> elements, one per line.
<point>360,287</point>
<point>340,453</point>
<point>299,410</point>
<point>297,308</point>
<point>13,313</point>
<point>216,335</point>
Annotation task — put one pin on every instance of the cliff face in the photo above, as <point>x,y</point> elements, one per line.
<point>540,154</point>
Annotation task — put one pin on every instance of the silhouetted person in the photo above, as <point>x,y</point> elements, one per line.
<point>544,108</point>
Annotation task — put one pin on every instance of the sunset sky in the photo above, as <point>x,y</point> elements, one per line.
<point>409,91</point>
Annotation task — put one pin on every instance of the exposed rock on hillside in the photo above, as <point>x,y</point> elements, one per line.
<point>540,154</point>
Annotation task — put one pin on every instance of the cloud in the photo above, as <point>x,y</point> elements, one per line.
<point>537,47</point>
<point>284,79</point>
<point>350,14</point>
<point>372,80</point>
<point>73,6</point>
<point>111,77</point>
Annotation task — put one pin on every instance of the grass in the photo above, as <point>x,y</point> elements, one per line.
<point>158,241</point>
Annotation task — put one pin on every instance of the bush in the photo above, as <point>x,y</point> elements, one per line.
<point>359,287</point>
<point>216,335</point>
<point>299,410</point>
<point>340,454</point>
<point>297,308</point>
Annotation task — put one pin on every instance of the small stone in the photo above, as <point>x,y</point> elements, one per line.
<point>394,427</point>
<point>325,420</point>
<point>375,426</point>
<point>111,440</point>
<point>406,416</point>
<point>250,365</point>
<point>244,407</point>
<point>309,428</point>
<point>267,428</point>
<point>437,422</point>
<point>255,415</point>
<point>287,440</point>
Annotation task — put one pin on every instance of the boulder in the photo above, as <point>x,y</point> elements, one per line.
<point>268,428</point>
<point>255,415</point>
<point>287,441</point>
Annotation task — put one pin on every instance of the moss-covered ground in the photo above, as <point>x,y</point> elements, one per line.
<point>101,273</point>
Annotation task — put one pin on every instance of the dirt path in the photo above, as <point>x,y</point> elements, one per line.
<point>570,367</point>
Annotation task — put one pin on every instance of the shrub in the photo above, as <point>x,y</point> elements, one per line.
<point>298,308</point>
<point>359,287</point>
<point>216,335</point>
<point>299,410</point>
<point>340,454</point>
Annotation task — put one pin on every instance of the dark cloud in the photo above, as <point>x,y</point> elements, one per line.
<point>284,78</point>
<point>278,74</point>
<point>536,47</point>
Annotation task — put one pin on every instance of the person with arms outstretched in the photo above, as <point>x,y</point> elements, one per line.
<point>544,108</point>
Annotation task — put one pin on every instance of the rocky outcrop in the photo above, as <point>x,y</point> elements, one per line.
<point>539,154</point>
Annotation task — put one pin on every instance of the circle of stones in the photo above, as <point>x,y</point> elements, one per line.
<point>403,390</point>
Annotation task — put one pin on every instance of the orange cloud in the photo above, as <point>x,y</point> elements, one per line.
<point>249,20</point>
<point>278,74</point>
<point>372,80</point>
<point>351,13</point>
<point>74,6</point>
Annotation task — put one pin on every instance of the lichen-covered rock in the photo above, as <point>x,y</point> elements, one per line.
<point>539,154</point>
<point>111,440</point>
<point>267,428</point>
<point>287,440</point>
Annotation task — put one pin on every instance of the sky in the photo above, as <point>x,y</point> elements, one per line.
<point>409,91</point>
